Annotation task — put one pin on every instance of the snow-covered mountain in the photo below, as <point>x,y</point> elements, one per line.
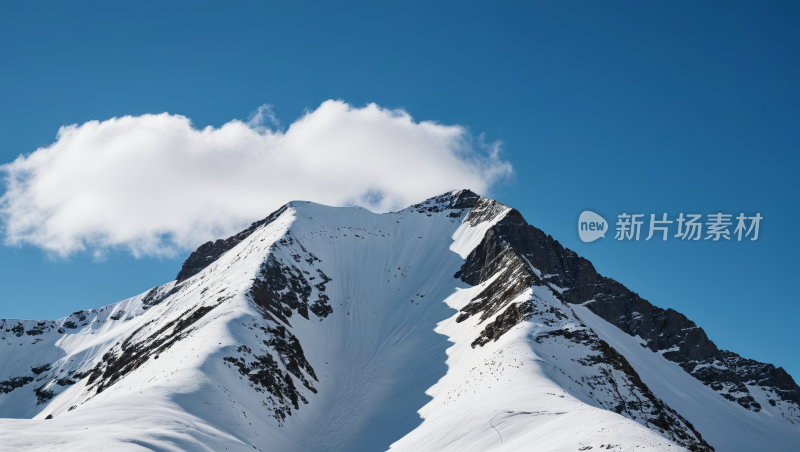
<point>450,325</point>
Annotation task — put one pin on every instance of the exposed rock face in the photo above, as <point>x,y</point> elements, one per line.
<point>209,252</point>
<point>608,379</point>
<point>731,375</point>
<point>265,373</point>
<point>512,243</point>
<point>614,384</point>
<point>156,295</point>
<point>143,344</point>
<point>503,257</point>
<point>282,288</point>
<point>13,383</point>
<point>461,199</point>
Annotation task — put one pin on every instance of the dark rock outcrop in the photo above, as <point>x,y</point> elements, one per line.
<point>209,252</point>
<point>460,199</point>
<point>512,243</point>
<point>616,385</point>
<point>281,288</point>
<point>265,373</point>
<point>609,379</point>
<point>13,383</point>
<point>141,345</point>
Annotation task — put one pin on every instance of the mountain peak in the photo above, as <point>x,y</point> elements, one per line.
<point>324,328</point>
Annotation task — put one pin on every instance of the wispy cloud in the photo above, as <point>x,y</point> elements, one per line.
<point>155,185</point>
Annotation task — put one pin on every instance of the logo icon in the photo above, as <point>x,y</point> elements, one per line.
<point>591,226</point>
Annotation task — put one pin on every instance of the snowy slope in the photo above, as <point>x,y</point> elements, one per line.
<point>725,425</point>
<point>324,329</point>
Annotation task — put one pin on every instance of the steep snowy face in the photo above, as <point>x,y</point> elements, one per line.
<point>449,325</point>
<point>699,375</point>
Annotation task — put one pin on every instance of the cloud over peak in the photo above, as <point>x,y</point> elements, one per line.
<point>155,185</point>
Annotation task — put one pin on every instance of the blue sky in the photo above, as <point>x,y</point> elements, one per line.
<point>612,106</point>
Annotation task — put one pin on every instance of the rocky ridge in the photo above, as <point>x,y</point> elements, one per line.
<point>525,276</point>
<point>529,257</point>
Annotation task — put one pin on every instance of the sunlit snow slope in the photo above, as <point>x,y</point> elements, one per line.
<point>338,329</point>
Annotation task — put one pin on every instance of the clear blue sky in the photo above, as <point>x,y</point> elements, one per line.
<point>643,107</point>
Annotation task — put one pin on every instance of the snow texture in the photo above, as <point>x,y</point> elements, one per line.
<point>338,329</point>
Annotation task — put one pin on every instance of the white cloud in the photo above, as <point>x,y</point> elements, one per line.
<point>155,185</point>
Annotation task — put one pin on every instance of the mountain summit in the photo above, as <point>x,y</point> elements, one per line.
<point>450,325</point>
